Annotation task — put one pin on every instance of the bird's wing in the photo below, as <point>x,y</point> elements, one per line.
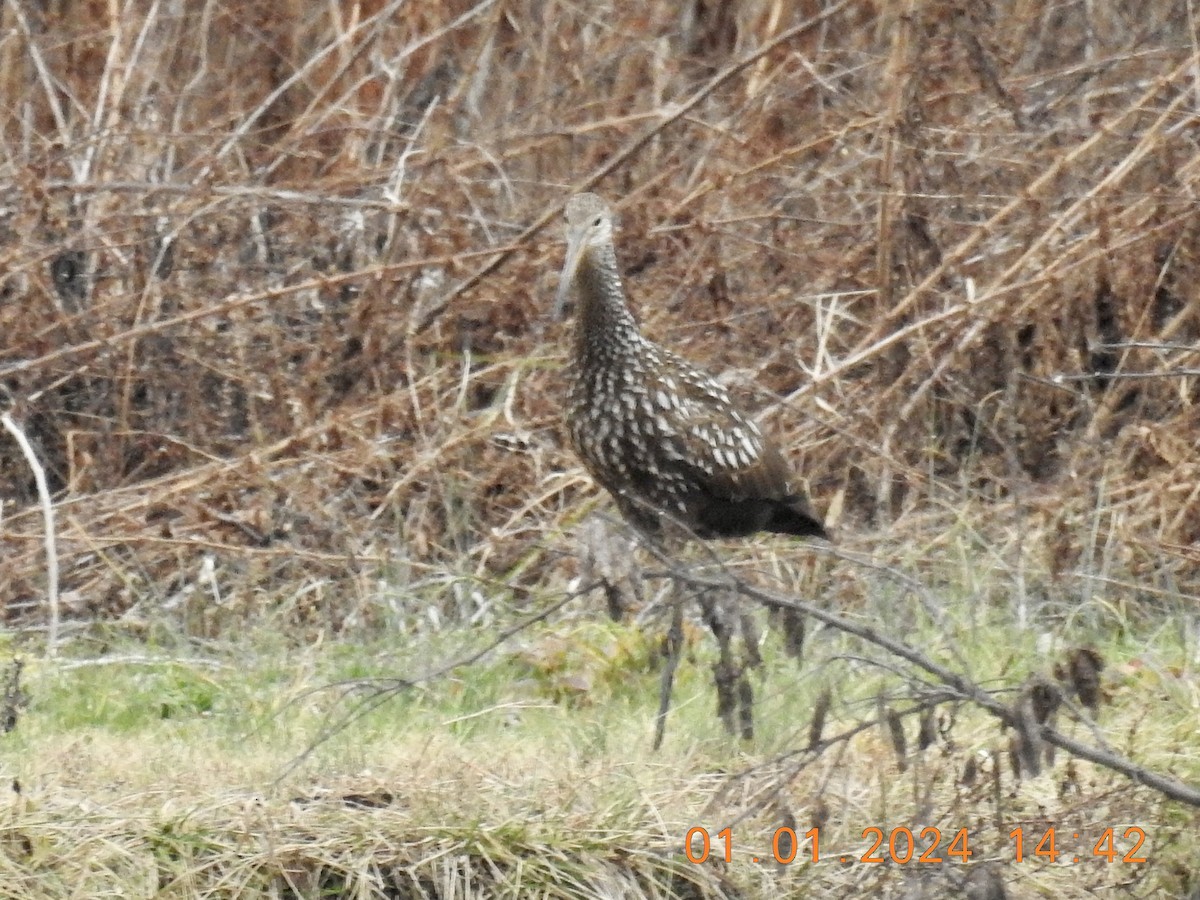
<point>721,449</point>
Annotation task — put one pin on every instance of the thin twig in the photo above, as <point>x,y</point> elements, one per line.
<point>47,505</point>
<point>429,314</point>
<point>1126,376</point>
<point>967,689</point>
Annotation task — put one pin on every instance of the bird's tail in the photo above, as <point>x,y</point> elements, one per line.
<point>795,516</point>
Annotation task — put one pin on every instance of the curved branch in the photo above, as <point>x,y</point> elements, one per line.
<point>963,686</point>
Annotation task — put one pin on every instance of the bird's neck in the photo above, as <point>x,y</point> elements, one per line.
<point>604,328</point>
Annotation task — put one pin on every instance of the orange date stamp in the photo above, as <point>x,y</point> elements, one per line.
<point>903,845</point>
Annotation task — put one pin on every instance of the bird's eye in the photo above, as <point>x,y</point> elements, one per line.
<point>599,221</point>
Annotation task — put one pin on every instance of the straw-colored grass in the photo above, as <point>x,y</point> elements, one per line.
<point>180,775</point>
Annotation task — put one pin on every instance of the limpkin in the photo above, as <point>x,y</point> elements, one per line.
<point>660,435</point>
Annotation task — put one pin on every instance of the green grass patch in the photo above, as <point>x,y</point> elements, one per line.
<point>530,771</point>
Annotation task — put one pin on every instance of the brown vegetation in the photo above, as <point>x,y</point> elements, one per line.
<point>959,243</point>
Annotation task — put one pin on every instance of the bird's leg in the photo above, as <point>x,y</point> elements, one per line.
<point>751,638</point>
<point>792,624</point>
<point>745,693</point>
<point>735,694</point>
<point>674,648</point>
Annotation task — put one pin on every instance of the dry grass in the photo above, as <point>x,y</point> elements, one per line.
<point>171,778</point>
<point>226,314</point>
<point>274,287</point>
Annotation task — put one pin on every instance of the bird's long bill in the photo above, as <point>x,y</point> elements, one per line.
<point>575,247</point>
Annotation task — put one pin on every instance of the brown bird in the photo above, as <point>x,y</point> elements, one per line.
<point>659,434</point>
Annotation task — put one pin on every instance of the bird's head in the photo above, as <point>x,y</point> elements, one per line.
<point>589,227</point>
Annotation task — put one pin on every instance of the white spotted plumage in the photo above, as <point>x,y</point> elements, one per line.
<point>658,433</point>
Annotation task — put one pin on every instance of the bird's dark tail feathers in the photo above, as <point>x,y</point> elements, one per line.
<point>795,516</point>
